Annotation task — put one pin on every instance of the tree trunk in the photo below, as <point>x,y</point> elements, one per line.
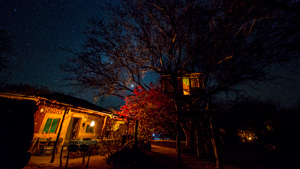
<point>188,132</point>
<point>198,143</point>
<point>215,149</point>
<point>178,146</point>
<point>213,139</point>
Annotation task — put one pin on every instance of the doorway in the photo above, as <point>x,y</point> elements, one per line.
<point>73,129</point>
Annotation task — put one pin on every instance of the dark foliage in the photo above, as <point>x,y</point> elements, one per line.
<point>275,128</point>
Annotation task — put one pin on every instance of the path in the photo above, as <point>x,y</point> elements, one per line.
<point>188,161</point>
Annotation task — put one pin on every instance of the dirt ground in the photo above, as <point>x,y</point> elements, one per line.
<point>158,158</point>
<point>37,162</point>
<point>164,156</point>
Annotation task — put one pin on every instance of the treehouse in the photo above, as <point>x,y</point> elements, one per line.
<point>188,84</point>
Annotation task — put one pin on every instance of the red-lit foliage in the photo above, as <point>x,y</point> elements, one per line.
<point>152,108</point>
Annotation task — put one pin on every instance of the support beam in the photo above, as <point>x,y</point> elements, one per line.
<point>58,134</point>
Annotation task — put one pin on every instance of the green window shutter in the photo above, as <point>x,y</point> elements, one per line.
<point>53,126</point>
<point>47,125</point>
<point>87,128</point>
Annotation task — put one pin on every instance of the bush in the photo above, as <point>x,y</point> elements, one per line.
<point>129,156</point>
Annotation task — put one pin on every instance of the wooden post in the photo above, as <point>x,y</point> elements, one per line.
<point>60,160</point>
<point>103,127</point>
<point>58,134</point>
<point>136,132</point>
<point>127,131</point>
<point>135,146</point>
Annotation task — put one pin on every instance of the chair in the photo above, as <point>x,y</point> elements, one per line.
<point>33,146</point>
<point>41,144</point>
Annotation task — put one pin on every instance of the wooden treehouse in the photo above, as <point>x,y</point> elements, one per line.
<point>188,84</point>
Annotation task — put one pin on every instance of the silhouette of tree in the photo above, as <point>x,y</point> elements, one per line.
<point>231,42</point>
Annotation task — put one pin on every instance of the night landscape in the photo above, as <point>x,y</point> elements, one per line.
<point>179,84</point>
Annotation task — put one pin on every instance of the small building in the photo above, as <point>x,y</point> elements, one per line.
<point>66,118</point>
<point>188,88</point>
<point>188,84</point>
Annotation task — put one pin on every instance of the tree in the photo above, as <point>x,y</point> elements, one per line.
<point>230,42</point>
<point>152,108</point>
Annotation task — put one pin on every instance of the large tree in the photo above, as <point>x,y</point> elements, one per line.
<point>230,42</point>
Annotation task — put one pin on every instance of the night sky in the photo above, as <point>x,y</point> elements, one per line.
<point>40,28</point>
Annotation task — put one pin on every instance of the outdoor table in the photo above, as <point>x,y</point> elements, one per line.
<point>81,145</point>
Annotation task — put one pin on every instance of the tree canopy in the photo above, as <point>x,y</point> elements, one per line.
<point>152,108</point>
<point>231,42</point>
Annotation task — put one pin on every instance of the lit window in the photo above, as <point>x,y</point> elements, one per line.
<point>90,127</point>
<point>186,85</point>
<point>51,125</point>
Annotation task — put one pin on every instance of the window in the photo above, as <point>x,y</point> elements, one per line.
<point>51,125</point>
<point>90,127</point>
<point>195,82</point>
<point>186,85</point>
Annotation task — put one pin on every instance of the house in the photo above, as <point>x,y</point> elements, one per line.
<point>62,117</point>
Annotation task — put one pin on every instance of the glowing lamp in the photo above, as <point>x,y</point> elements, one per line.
<point>92,123</point>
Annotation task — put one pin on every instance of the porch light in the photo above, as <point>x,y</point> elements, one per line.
<point>92,124</point>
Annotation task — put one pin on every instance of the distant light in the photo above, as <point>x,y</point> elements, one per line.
<point>132,85</point>
<point>153,135</point>
<point>92,123</point>
<point>249,138</point>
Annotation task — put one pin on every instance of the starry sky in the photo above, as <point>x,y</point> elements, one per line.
<point>41,28</point>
